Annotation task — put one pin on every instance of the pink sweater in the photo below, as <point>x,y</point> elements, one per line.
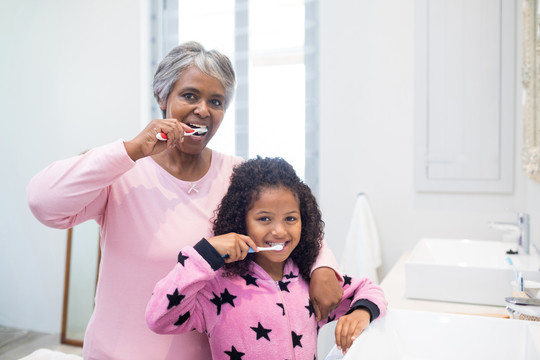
<point>146,215</point>
<point>247,317</point>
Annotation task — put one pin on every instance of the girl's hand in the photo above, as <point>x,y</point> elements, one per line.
<point>349,327</point>
<point>146,143</point>
<point>234,245</point>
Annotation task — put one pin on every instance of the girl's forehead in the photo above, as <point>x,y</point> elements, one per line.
<point>273,194</point>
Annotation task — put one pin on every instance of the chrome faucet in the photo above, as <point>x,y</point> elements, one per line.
<point>521,228</point>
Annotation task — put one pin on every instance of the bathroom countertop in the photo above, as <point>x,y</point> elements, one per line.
<point>394,289</point>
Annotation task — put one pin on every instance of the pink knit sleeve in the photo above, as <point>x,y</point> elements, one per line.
<point>326,258</point>
<point>71,191</point>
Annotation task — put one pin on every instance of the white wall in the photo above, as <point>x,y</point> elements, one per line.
<point>367,83</point>
<point>70,80</point>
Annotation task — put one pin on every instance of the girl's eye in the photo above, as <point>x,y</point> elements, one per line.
<point>290,219</point>
<point>264,218</point>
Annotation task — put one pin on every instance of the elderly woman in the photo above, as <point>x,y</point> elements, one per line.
<point>151,198</point>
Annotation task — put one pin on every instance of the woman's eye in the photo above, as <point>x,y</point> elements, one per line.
<point>189,96</point>
<point>217,103</point>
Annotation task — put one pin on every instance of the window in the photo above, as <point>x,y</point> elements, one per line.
<point>273,47</point>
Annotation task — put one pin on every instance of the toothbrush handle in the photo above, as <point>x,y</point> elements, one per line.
<point>249,251</point>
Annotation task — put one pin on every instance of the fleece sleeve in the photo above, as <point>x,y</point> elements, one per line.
<point>360,293</point>
<point>180,299</point>
<point>71,191</point>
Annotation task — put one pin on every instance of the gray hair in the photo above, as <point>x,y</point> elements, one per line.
<point>212,62</point>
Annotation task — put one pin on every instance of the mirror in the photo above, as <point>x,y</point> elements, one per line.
<point>82,259</point>
<point>530,154</point>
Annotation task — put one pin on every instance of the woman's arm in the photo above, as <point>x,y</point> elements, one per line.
<point>71,191</point>
<point>325,290</point>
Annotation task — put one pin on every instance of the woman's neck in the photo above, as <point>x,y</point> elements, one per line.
<point>187,167</point>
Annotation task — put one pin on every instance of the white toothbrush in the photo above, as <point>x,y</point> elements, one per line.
<point>201,131</point>
<point>276,247</point>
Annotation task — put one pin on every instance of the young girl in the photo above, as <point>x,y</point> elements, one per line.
<point>256,305</point>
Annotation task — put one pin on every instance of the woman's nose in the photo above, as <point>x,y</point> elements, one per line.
<point>202,109</point>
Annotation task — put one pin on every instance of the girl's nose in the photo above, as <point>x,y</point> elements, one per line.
<point>202,109</point>
<point>279,230</point>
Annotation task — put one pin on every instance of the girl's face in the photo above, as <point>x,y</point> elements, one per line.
<point>274,219</point>
<point>198,100</point>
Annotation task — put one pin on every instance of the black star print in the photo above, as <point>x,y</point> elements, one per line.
<point>290,275</point>
<point>182,258</point>
<point>330,319</point>
<point>182,319</point>
<point>174,299</point>
<point>350,298</point>
<point>296,339</point>
<point>227,298</point>
<point>282,307</point>
<point>310,308</point>
<point>217,301</point>
<point>250,280</point>
<point>234,354</point>
<point>346,280</point>
<point>261,331</point>
<point>283,285</point>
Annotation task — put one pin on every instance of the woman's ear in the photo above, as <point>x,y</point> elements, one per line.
<point>162,105</point>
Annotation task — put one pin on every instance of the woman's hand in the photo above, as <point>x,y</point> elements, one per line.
<point>349,327</point>
<point>234,245</point>
<point>146,143</point>
<point>325,291</point>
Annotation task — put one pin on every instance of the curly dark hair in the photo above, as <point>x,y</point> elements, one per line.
<point>247,181</point>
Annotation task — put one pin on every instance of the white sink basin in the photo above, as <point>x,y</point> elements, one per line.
<point>418,335</point>
<point>465,271</point>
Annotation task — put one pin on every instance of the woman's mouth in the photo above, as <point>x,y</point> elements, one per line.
<point>200,130</point>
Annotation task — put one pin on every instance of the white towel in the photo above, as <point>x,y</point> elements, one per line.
<point>362,252</point>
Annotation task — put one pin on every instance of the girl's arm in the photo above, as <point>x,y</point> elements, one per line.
<point>362,303</point>
<point>71,191</point>
<point>179,300</point>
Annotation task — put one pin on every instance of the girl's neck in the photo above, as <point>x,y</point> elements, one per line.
<point>186,167</point>
<point>275,270</point>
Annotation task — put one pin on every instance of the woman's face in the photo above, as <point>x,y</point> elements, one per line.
<point>274,219</point>
<point>199,101</point>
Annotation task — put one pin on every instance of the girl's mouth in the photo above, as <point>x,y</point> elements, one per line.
<point>284,244</point>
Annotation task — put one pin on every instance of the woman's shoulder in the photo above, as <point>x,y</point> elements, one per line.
<point>225,162</point>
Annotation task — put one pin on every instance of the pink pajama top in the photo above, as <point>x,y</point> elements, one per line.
<point>145,215</point>
<point>250,316</point>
